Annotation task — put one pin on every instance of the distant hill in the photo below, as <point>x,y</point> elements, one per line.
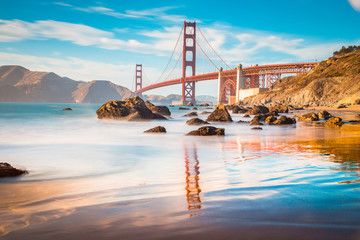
<point>18,84</point>
<point>332,82</point>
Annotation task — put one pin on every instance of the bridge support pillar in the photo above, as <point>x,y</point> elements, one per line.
<point>220,84</point>
<point>240,81</point>
<point>188,93</point>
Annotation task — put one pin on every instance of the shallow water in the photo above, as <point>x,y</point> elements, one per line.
<point>92,179</point>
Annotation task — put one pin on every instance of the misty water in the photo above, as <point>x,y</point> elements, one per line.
<point>96,179</point>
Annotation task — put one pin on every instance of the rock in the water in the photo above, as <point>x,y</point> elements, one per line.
<point>246,116</point>
<point>158,129</point>
<point>189,104</point>
<point>259,109</point>
<point>194,108</point>
<point>182,108</point>
<point>270,119</point>
<point>67,109</point>
<point>279,108</point>
<point>308,117</point>
<point>220,114</point>
<point>357,116</point>
<point>236,109</point>
<point>191,114</point>
<point>256,121</point>
<point>131,109</point>
<point>162,110</point>
<point>256,128</point>
<point>196,121</point>
<point>204,113</point>
<point>241,121</point>
<point>284,120</point>
<point>334,122</point>
<point>341,106</point>
<point>208,131</point>
<point>324,115</point>
<point>6,170</point>
<point>204,105</point>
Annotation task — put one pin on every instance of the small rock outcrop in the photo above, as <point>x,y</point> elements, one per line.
<point>208,131</point>
<point>67,109</point>
<point>182,108</point>
<point>204,113</point>
<point>6,170</point>
<point>258,109</point>
<point>196,121</point>
<point>131,109</point>
<point>279,108</point>
<point>324,115</point>
<point>341,106</point>
<point>255,121</point>
<point>242,121</point>
<point>236,109</point>
<point>191,114</point>
<point>194,108</point>
<point>158,129</point>
<point>162,110</point>
<point>308,117</point>
<point>220,114</point>
<point>357,116</point>
<point>256,128</point>
<point>334,122</point>
<point>270,119</point>
<point>284,121</point>
<point>246,116</point>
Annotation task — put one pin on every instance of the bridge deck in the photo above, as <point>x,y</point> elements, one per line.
<point>254,70</point>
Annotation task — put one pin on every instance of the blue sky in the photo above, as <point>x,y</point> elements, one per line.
<point>90,40</point>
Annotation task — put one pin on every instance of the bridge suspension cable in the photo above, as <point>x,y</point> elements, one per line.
<point>172,54</point>
<point>212,47</point>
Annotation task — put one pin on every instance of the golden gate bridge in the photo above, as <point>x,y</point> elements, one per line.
<point>230,80</point>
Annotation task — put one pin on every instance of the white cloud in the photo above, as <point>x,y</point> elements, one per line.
<point>145,14</point>
<point>17,30</point>
<point>355,4</point>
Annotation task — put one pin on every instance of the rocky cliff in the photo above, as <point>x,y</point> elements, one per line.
<point>18,84</point>
<point>332,82</point>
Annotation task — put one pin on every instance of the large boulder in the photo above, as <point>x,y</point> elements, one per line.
<point>196,121</point>
<point>6,170</point>
<point>162,110</point>
<point>158,129</point>
<point>220,114</point>
<point>324,115</point>
<point>284,120</point>
<point>208,131</point>
<point>259,109</point>
<point>334,122</point>
<point>308,117</point>
<point>131,109</point>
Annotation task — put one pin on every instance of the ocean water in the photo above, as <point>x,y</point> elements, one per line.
<point>101,179</point>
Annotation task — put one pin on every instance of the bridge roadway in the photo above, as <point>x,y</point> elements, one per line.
<point>248,71</point>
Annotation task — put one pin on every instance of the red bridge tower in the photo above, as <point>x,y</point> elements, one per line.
<point>189,60</point>
<point>138,79</point>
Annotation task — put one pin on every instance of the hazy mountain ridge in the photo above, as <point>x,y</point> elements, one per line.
<point>18,84</point>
